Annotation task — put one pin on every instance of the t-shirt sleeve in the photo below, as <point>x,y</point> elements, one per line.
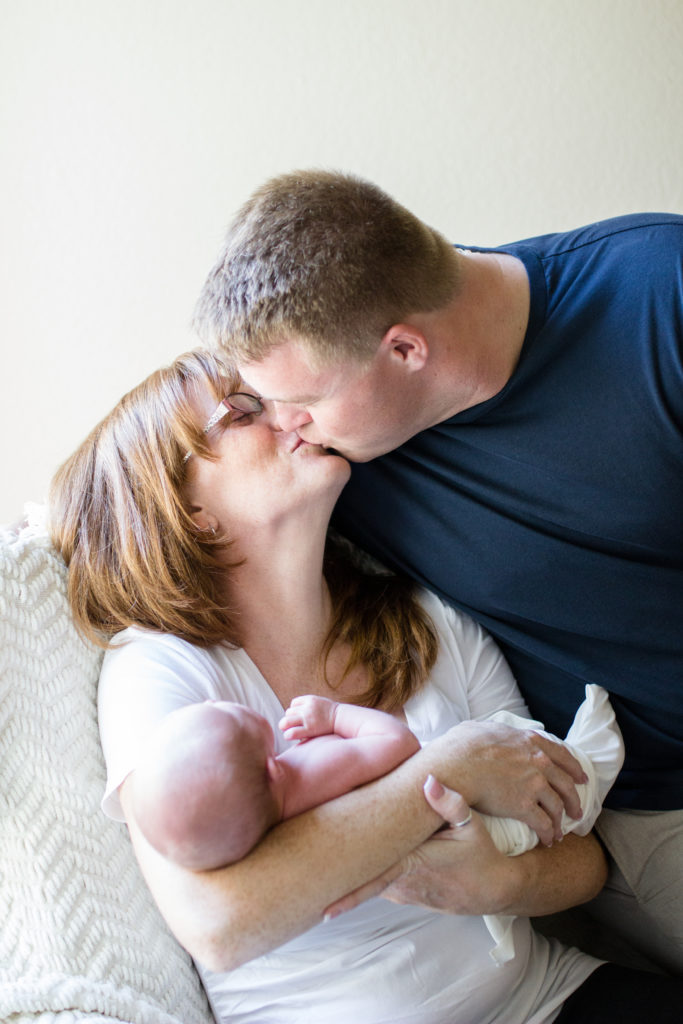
<point>143,680</point>
<point>476,663</point>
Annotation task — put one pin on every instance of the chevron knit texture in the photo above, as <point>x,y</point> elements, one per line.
<point>80,936</point>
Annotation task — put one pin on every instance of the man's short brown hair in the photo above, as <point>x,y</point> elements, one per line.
<point>326,258</point>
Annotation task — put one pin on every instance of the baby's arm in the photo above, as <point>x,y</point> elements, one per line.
<point>346,746</point>
<point>310,716</point>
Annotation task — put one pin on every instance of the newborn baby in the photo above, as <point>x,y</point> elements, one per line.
<point>209,785</point>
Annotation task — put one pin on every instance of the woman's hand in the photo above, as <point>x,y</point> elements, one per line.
<point>517,773</point>
<point>303,865</point>
<point>460,871</point>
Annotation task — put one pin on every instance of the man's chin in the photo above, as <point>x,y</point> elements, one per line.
<point>349,456</point>
<point>338,454</point>
<point>352,455</point>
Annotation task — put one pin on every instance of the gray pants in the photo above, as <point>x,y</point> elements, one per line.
<point>637,919</point>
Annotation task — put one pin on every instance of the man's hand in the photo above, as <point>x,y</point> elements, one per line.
<point>308,716</point>
<point>518,773</point>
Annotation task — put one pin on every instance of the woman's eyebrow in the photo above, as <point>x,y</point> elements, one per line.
<point>298,400</point>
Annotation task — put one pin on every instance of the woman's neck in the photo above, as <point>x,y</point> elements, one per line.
<point>283,608</point>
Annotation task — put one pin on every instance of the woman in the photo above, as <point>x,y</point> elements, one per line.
<point>198,529</point>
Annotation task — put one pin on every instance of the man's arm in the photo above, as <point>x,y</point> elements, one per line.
<point>283,887</point>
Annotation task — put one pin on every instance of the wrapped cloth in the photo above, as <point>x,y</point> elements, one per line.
<point>595,741</point>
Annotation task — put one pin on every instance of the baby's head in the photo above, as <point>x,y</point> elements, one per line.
<point>203,794</point>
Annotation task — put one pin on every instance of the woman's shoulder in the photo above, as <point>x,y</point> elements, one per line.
<point>144,658</point>
<point>137,638</point>
<point>157,667</point>
<point>139,643</point>
<point>450,620</point>
<point>470,662</point>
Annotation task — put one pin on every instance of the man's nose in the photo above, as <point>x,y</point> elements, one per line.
<point>290,417</point>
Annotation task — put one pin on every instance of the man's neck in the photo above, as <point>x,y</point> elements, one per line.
<point>476,341</point>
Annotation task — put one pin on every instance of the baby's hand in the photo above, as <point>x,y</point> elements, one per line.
<point>307,717</point>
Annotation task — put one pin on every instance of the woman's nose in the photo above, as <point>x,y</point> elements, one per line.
<point>290,417</point>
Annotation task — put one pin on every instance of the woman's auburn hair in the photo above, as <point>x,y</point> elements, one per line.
<point>119,517</point>
<point>121,521</point>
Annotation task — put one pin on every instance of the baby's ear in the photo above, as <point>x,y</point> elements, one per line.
<point>277,779</point>
<point>274,769</point>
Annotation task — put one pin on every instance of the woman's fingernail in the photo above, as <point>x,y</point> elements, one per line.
<point>433,787</point>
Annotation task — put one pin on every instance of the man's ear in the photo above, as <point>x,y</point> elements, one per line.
<point>406,344</point>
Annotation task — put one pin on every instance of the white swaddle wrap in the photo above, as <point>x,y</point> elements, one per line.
<point>595,741</point>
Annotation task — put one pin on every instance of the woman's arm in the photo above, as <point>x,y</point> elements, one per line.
<point>459,870</point>
<point>229,916</point>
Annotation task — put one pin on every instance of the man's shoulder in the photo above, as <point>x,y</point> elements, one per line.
<point>629,228</point>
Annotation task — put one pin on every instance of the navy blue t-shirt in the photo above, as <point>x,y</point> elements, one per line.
<point>553,512</point>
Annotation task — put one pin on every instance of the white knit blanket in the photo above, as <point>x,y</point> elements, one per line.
<point>80,936</point>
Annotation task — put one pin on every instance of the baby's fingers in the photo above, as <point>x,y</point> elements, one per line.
<point>295,733</point>
<point>291,719</point>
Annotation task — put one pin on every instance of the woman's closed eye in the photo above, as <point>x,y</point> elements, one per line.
<point>238,409</point>
<point>232,418</point>
<point>238,419</point>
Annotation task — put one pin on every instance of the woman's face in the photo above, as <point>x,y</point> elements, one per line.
<point>262,474</point>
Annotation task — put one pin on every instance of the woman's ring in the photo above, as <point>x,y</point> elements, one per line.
<point>465,821</point>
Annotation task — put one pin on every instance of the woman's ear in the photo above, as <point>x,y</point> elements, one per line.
<point>203,520</point>
<point>406,344</point>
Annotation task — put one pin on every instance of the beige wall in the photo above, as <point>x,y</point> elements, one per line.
<point>131,129</point>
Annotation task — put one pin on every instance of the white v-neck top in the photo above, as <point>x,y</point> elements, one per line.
<point>380,962</point>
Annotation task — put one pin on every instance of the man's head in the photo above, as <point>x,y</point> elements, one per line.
<point>324,258</point>
<point>329,264</point>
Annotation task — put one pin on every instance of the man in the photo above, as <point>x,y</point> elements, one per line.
<point>516,415</point>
